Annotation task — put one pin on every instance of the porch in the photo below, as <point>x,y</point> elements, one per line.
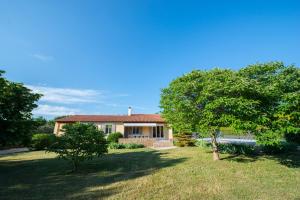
<point>148,142</point>
<point>148,134</point>
<point>146,130</point>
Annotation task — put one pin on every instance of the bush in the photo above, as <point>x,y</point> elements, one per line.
<point>269,138</point>
<point>271,142</point>
<point>42,141</point>
<point>281,148</point>
<point>184,140</point>
<point>237,149</point>
<point>133,146</point>
<point>227,148</point>
<point>202,144</point>
<point>114,137</point>
<point>79,142</point>
<point>292,137</point>
<point>114,145</point>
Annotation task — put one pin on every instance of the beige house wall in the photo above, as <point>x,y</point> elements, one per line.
<point>147,131</point>
<point>170,133</point>
<point>101,126</point>
<point>119,127</point>
<point>58,128</point>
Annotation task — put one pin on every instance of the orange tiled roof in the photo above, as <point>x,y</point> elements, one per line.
<point>143,118</point>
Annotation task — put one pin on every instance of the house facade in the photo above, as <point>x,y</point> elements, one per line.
<point>136,128</point>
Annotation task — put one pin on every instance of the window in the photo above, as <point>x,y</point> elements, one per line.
<point>154,132</point>
<point>108,129</point>
<point>136,130</point>
<point>158,132</point>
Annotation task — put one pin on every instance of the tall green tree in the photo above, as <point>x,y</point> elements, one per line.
<point>279,110</point>
<point>204,101</point>
<point>16,104</point>
<point>288,114</point>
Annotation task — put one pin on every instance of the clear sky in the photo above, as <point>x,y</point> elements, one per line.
<point>99,57</point>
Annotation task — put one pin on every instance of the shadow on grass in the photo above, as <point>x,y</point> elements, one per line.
<point>291,159</point>
<point>241,158</point>
<point>50,178</point>
<point>288,159</point>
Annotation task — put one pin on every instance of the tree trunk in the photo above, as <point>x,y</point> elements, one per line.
<point>214,144</point>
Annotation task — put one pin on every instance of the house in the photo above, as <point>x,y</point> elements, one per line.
<point>147,129</point>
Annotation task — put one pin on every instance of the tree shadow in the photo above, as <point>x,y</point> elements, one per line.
<point>288,159</point>
<point>50,178</point>
<point>241,158</point>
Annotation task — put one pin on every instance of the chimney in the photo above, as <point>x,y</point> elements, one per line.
<point>129,111</point>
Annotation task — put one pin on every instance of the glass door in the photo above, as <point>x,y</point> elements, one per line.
<point>158,132</point>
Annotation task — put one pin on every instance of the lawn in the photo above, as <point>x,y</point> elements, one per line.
<point>182,173</point>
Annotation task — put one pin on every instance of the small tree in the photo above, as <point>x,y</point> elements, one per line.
<point>79,142</point>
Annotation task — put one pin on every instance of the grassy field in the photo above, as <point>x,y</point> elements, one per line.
<point>182,173</point>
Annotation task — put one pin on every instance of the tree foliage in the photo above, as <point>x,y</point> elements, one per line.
<point>41,125</point>
<point>114,137</point>
<point>258,99</point>
<point>16,104</point>
<point>79,142</point>
<point>279,110</point>
<point>42,141</point>
<point>184,140</point>
<point>204,101</point>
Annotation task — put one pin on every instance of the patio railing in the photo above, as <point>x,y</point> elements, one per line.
<point>138,136</point>
<point>146,141</point>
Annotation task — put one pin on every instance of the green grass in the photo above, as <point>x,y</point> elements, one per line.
<point>182,173</point>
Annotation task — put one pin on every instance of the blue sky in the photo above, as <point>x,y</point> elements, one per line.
<point>99,57</point>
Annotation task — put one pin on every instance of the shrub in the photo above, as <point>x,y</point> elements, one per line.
<point>114,137</point>
<point>292,137</point>
<point>79,142</point>
<point>42,141</point>
<point>269,138</point>
<point>280,148</point>
<point>114,145</point>
<point>228,148</point>
<point>237,149</point>
<point>271,142</point>
<point>133,146</point>
<point>184,140</point>
<point>202,144</point>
